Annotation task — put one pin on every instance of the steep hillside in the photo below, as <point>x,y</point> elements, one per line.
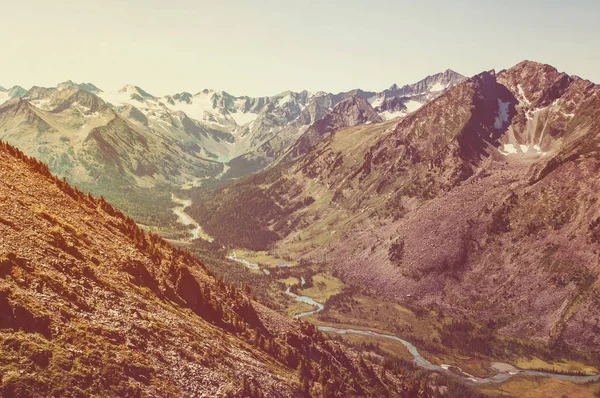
<point>90,305</point>
<point>481,203</point>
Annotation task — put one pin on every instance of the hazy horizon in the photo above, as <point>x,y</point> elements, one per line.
<point>268,47</point>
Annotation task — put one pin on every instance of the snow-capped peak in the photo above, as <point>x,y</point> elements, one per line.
<point>135,90</point>
<point>69,84</point>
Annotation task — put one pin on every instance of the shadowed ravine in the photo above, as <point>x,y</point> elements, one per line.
<point>504,371</point>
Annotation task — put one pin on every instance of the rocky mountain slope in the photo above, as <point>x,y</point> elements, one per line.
<point>90,305</point>
<point>351,112</point>
<point>481,203</point>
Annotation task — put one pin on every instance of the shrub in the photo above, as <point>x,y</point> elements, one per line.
<point>396,251</point>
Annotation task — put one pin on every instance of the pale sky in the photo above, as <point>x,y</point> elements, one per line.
<point>265,47</point>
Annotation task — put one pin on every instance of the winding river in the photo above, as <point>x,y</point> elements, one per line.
<point>504,371</point>
<point>307,300</point>
<point>233,256</point>
<point>185,219</point>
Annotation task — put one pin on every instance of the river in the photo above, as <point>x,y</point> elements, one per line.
<point>504,371</point>
<point>307,300</point>
<point>233,256</point>
<point>185,219</point>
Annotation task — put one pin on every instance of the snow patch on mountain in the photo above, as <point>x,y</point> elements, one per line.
<point>522,95</point>
<point>43,104</point>
<point>117,98</point>
<point>376,100</point>
<point>242,119</point>
<point>412,106</point>
<point>502,114</point>
<point>438,87</point>
<point>199,106</point>
<point>522,149</point>
<point>508,149</point>
<point>391,115</point>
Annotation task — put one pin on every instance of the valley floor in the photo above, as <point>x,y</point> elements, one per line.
<point>377,327</point>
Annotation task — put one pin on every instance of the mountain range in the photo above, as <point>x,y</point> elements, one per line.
<point>135,148</point>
